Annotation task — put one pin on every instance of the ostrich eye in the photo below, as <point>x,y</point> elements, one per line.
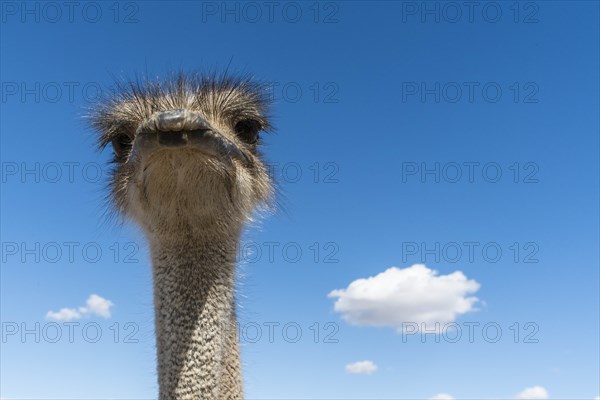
<point>247,130</point>
<point>121,145</point>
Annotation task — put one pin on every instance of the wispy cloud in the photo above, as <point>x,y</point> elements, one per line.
<point>442,396</point>
<point>365,367</point>
<point>95,305</point>
<point>533,393</point>
<point>415,294</point>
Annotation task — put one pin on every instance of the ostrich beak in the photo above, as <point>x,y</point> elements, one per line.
<point>181,128</point>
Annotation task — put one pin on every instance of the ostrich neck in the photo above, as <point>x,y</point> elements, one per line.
<point>197,346</point>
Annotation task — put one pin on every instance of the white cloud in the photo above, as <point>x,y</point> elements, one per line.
<point>597,398</point>
<point>361,367</point>
<point>65,314</point>
<point>96,305</point>
<point>533,393</point>
<point>415,294</point>
<point>442,396</point>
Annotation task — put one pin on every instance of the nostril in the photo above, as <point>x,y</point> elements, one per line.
<point>171,120</point>
<point>172,139</point>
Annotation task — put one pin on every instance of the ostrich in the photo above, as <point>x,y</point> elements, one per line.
<point>188,171</point>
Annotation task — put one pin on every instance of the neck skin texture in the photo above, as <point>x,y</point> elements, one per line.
<point>197,343</point>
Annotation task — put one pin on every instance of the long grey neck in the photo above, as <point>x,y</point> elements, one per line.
<point>197,344</point>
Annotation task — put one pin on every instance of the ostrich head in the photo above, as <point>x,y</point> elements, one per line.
<point>187,151</point>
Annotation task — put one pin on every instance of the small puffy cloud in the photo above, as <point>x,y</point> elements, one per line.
<point>533,393</point>
<point>361,367</point>
<point>415,294</point>
<point>95,305</point>
<point>442,396</point>
<point>65,314</point>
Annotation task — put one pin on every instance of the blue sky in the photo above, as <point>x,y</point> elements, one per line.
<point>392,128</point>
